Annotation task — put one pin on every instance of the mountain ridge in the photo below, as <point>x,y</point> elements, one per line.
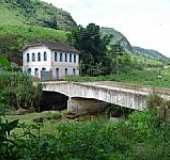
<point>119,38</point>
<point>150,53</point>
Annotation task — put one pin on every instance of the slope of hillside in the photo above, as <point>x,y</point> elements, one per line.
<point>13,38</point>
<point>149,53</point>
<point>34,12</point>
<point>119,38</point>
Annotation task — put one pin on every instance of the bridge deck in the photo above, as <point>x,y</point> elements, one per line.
<point>119,86</point>
<point>122,94</point>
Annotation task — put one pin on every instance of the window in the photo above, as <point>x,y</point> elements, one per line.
<point>29,71</point>
<point>33,57</point>
<point>36,72</point>
<point>45,56</point>
<point>70,59</point>
<point>57,73</point>
<point>39,56</point>
<point>74,58</point>
<point>61,57</point>
<point>43,69</point>
<point>65,57</point>
<point>66,71</point>
<point>55,56</point>
<point>28,57</point>
<point>74,71</point>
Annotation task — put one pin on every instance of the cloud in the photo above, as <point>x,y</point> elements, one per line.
<point>144,22</point>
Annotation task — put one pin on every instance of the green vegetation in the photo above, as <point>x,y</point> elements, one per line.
<point>13,38</point>
<point>151,54</point>
<point>146,54</point>
<point>16,88</point>
<point>149,77</point>
<point>48,135</point>
<point>141,135</point>
<point>100,56</point>
<point>30,118</point>
<point>93,50</point>
<point>34,12</point>
<point>4,64</point>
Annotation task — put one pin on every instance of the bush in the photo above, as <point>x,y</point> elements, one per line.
<point>18,91</point>
<point>136,138</point>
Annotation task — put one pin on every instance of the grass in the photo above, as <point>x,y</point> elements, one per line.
<point>28,33</point>
<point>8,16</point>
<point>147,61</point>
<point>14,37</point>
<point>154,77</point>
<point>28,118</point>
<point>51,120</point>
<point>42,14</point>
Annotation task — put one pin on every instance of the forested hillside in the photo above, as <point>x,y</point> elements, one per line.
<point>150,54</point>
<point>34,12</point>
<point>119,38</point>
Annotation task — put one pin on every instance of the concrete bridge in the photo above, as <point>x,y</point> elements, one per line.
<point>83,96</point>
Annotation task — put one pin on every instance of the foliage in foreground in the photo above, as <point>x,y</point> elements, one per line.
<point>142,136</point>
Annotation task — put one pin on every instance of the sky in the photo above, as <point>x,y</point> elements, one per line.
<point>145,23</point>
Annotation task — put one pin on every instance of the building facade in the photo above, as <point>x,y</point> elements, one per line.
<point>50,60</point>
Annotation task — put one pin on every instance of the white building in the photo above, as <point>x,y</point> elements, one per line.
<point>50,60</point>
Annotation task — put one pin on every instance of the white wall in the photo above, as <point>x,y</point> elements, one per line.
<point>37,64</point>
<point>50,64</point>
<point>62,65</point>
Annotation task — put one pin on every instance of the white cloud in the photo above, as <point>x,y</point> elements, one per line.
<point>145,22</point>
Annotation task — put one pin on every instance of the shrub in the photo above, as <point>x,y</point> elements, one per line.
<point>18,90</point>
<point>136,138</point>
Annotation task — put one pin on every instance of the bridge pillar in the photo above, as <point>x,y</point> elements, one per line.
<point>80,105</point>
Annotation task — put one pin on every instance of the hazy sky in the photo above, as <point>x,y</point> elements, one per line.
<point>146,23</point>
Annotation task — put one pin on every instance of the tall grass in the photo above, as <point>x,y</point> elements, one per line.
<point>152,78</point>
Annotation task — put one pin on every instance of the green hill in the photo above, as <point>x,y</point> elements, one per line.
<point>150,54</point>
<point>146,54</point>
<point>34,12</point>
<point>14,37</point>
<point>24,21</point>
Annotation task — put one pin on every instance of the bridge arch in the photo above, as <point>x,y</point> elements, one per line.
<point>53,101</point>
<point>122,97</point>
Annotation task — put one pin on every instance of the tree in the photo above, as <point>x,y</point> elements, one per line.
<point>5,64</point>
<point>9,44</point>
<point>116,51</point>
<point>93,50</point>
<point>17,90</point>
<point>52,23</point>
<point>28,9</point>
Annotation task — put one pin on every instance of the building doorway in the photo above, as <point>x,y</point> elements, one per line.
<point>36,74</point>
<point>57,73</point>
<point>44,75</point>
